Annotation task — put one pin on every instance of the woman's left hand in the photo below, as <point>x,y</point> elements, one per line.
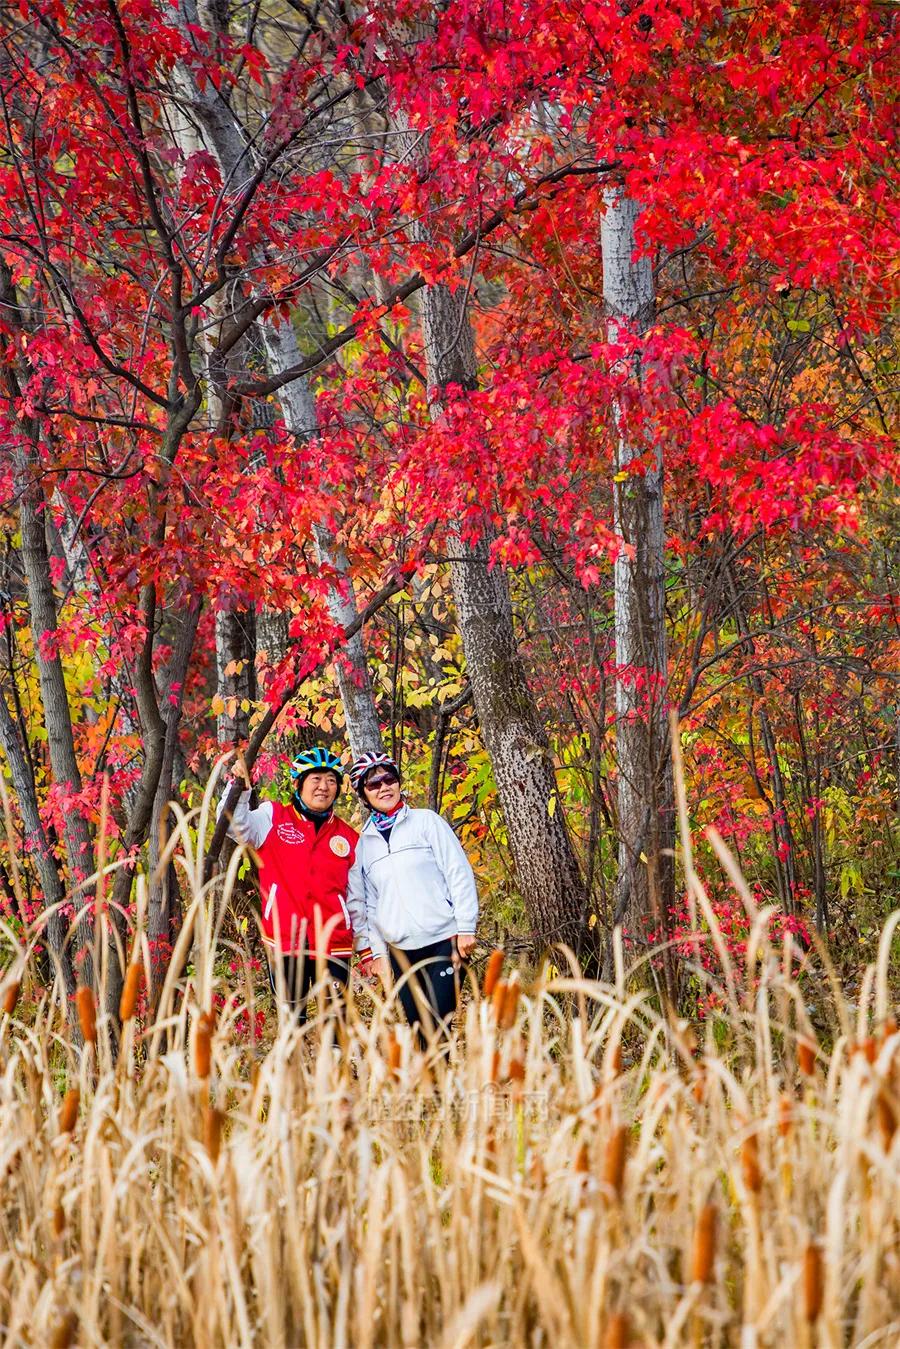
<point>465,944</point>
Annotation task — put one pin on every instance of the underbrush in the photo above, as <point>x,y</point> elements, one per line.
<point>583,1170</point>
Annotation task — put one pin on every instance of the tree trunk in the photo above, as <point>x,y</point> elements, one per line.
<point>546,867</point>
<point>646,822</point>
<point>37,845</point>
<point>164,913</point>
<point>227,142</point>
<point>44,624</point>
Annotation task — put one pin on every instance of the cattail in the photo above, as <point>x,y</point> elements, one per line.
<point>212,1131</point>
<point>64,1332</point>
<point>614,1160</point>
<point>394,1055</point>
<point>614,1059</point>
<point>582,1161</point>
<point>510,1005</point>
<point>492,972</point>
<point>617,1332</point>
<point>887,1119</point>
<point>516,1070</point>
<point>750,1164</point>
<point>87,1014</point>
<point>203,1048</point>
<point>495,1065</point>
<point>869,1048</point>
<point>704,1252</point>
<point>700,1087</point>
<point>806,1057</point>
<point>11,997</point>
<point>59,1220</point>
<point>813,1282</point>
<point>68,1111</point>
<point>785,1115</point>
<point>131,991</point>
<point>497,999</point>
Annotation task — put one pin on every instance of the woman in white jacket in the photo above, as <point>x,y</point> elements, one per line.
<point>418,891</point>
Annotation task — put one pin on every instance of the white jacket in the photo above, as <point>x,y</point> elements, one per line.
<point>417,886</point>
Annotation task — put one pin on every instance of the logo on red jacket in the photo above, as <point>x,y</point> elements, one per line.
<point>339,846</point>
<point>289,833</point>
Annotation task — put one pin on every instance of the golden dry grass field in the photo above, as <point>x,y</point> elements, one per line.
<point>583,1172</point>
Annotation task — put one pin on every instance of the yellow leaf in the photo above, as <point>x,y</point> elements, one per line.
<point>218,705</point>
<point>551,807</point>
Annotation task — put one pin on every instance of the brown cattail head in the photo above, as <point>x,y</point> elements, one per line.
<point>614,1160</point>
<point>497,998</point>
<point>703,1256</point>
<point>87,1014</point>
<point>131,991</point>
<point>582,1161</point>
<point>11,997</point>
<point>59,1220</point>
<point>510,1005</point>
<point>212,1131</point>
<point>700,1087</point>
<point>516,1071</point>
<point>495,1065</point>
<point>806,1057</point>
<point>64,1332</point>
<point>813,1282</point>
<point>492,972</point>
<point>394,1054</point>
<point>887,1118</point>
<point>785,1115</point>
<point>203,1048</point>
<point>750,1169</point>
<point>68,1111</point>
<point>617,1334</point>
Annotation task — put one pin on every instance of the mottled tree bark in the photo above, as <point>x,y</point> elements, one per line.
<point>226,140</point>
<point>546,867</point>
<point>646,821</point>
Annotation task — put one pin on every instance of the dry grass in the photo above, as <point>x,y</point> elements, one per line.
<point>582,1173</point>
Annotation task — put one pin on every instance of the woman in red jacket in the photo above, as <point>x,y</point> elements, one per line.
<point>303,854</point>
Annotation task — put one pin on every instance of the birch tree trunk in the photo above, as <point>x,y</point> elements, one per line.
<point>645,882</point>
<point>546,867</point>
<point>226,139</point>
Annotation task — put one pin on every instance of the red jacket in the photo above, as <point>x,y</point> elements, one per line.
<point>303,882</point>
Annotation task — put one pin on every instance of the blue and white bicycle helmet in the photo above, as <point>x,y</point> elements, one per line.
<point>362,766</point>
<point>316,760</point>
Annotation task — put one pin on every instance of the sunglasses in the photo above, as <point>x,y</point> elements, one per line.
<point>372,784</point>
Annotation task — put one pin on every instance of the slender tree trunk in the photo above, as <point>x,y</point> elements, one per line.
<point>645,884</point>
<point>44,632</point>
<point>164,909</point>
<point>226,140</point>
<point>547,870</point>
<point>37,845</point>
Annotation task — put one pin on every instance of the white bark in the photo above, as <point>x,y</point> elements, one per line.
<point>644,768</point>
<point>225,139</point>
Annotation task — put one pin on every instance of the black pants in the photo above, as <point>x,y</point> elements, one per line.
<point>300,973</point>
<point>430,995</point>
